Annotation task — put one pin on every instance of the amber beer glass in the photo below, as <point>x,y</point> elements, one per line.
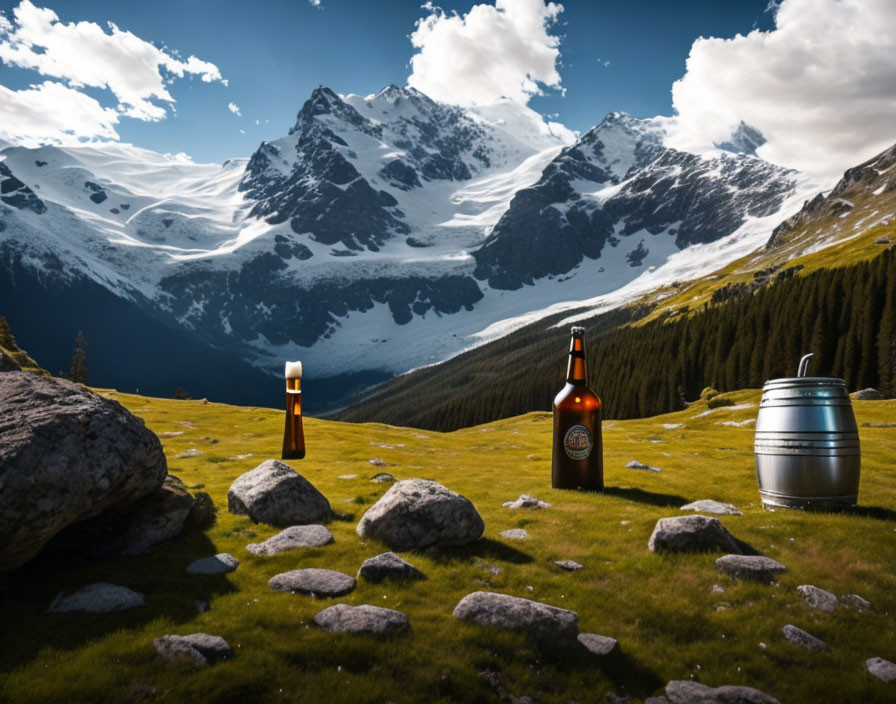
<point>577,460</point>
<point>293,433</point>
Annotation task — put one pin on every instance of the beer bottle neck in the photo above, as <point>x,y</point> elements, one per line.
<point>576,371</point>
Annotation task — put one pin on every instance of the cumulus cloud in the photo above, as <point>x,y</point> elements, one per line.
<point>235,109</point>
<point>493,51</point>
<point>821,86</point>
<point>84,54</point>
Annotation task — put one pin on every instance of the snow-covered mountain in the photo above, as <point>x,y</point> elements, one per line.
<point>380,234</point>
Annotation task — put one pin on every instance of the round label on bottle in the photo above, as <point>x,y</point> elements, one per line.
<point>578,442</point>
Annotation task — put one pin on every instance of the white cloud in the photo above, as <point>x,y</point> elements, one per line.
<point>493,51</point>
<point>84,54</point>
<point>316,3</point>
<point>821,86</point>
<point>235,109</point>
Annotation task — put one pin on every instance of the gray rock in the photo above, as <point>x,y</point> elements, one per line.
<point>691,534</point>
<point>198,649</point>
<point>416,513</point>
<point>882,669</point>
<point>98,598</point>
<point>689,692</point>
<point>388,566</point>
<point>376,462</point>
<point>202,606</point>
<point>361,620</point>
<point>526,501</point>
<point>710,506</point>
<point>222,563</point>
<point>855,601</point>
<point>7,363</point>
<point>67,454</point>
<point>598,645</point>
<point>541,621</point>
<point>313,581</point>
<point>276,494</point>
<point>570,565</point>
<point>154,518</point>
<point>799,637</point>
<point>383,478</point>
<point>868,395</point>
<point>751,567</point>
<point>634,464</point>
<point>313,536</point>
<point>514,534</point>
<point>818,598</point>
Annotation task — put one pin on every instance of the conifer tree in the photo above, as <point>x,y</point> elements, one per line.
<point>78,369</point>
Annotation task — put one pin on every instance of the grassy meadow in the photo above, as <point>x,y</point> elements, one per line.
<point>663,610</point>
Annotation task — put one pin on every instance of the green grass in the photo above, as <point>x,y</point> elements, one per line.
<point>669,623</point>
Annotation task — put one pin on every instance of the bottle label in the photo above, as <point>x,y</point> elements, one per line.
<point>578,442</point>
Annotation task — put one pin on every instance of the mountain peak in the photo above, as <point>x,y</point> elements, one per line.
<point>743,140</point>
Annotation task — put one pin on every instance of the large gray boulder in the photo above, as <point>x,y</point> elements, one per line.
<point>97,598</point>
<point>66,454</point>
<point>388,566</point>
<point>200,649</point>
<point>689,692</point>
<point>756,568</point>
<point>274,493</point>
<point>361,620</point>
<point>314,581</point>
<point>155,518</point>
<point>313,536</point>
<point>691,534</point>
<point>512,613</point>
<point>417,513</point>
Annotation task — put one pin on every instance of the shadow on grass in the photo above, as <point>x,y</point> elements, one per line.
<point>646,497</point>
<point>484,548</point>
<point>160,576</point>
<point>876,512</point>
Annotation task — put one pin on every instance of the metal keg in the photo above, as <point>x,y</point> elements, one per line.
<point>807,443</point>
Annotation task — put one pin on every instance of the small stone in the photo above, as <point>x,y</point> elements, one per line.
<point>98,598</point>
<point>526,501</point>
<point>541,621</point>
<point>276,494</point>
<point>689,692</point>
<point>383,478</point>
<point>570,565</point>
<point>818,598</point>
<point>751,567</point>
<point>216,564</point>
<point>717,589</point>
<point>799,637</point>
<point>361,620</point>
<point>691,534</point>
<point>313,536</point>
<point>598,645</point>
<point>192,452</point>
<point>378,462</point>
<point>882,669</point>
<point>202,606</point>
<point>634,464</point>
<point>200,649</point>
<point>514,534</point>
<point>710,506</point>
<point>388,566</point>
<point>868,395</point>
<point>313,581</point>
<point>673,426</point>
<point>855,601</point>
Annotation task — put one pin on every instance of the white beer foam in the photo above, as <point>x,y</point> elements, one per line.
<point>293,370</point>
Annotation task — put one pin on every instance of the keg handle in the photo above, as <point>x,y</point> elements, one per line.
<point>804,365</point>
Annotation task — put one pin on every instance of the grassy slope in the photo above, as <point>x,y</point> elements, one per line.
<point>669,623</point>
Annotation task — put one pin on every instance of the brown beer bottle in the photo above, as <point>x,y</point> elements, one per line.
<point>293,433</point>
<point>577,461</point>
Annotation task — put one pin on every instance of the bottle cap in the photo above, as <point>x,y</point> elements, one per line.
<point>578,331</point>
<point>293,370</point>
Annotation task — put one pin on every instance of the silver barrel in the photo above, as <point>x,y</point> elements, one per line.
<point>807,444</point>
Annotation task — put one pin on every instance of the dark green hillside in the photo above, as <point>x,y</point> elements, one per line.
<point>846,316</point>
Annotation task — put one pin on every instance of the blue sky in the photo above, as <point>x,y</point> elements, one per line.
<point>273,54</point>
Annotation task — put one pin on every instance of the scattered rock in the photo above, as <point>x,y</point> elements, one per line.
<point>171,434</point>
<point>202,606</point>
<point>388,566</point>
<point>526,501</point>
<point>378,463</point>
<point>313,536</point>
<point>868,395</point>
<point>153,519</point>
<point>98,598</point>
<point>361,620</point>
<point>598,645</point>
<point>710,506</point>
<point>737,423</point>
<point>67,454</point>
<point>540,621</point>
<point>634,464</point>
<point>882,669</point>
<point>481,564</point>
<point>689,692</point>
<point>799,637</point>
<point>383,478</point>
<point>818,598</point>
<point>192,452</point>
<point>416,513</point>
<point>756,568</point>
<point>276,494</point>
<point>313,581</point>
<point>199,649</point>
<point>691,534</point>
<point>570,565</point>
<point>514,534</point>
<point>204,514</point>
<point>673,426</point>
<point>348,476</point>
<point>222,563</point>
<point>855,601</point>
